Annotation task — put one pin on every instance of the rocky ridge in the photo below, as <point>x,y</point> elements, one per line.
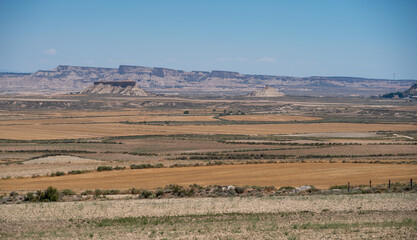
<point>267,92</point>
<point>163,80</point>
<point>127,88</point>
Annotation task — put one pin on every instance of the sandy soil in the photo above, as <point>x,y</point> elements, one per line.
<point>321,175</point>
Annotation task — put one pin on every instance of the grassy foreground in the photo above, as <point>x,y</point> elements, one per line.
<point>386,216</point>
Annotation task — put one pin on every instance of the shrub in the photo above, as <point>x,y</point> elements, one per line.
<point>134,191</point>
<point>178,190</point>
<point>114,191</point>
<point>31,197</point>
<point>239,190</point>
<point>14,194</point>
<point>186,112</point>
<point>87,192</point>
<point>67,192</point>
<point>339,187</point>
<point>146,194</point>
<point>119,168</point>
<point>286,188</point>
<point>56,174</point>
<point>49,195</point>
<point>159,193</point>
<point>146,165</point>
<point>104,168</point>
<point>77,172</point>
<point>196,186</point>
<point>98,192</point>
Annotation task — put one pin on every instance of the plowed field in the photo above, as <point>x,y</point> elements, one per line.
<point>66,131</point>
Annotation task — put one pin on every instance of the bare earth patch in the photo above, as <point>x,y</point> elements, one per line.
<point>61,159</point>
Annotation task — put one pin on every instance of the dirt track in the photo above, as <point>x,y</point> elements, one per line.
<point>321,175</point>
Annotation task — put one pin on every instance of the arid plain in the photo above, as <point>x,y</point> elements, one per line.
<point>102,148</point>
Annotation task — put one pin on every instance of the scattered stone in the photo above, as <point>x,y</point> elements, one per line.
<point>303,188</point>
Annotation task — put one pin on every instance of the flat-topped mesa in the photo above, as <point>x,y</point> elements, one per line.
<point>127,88</point>
<point>223,74</point>
<point>133,69</point>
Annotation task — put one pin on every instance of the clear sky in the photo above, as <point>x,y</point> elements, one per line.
<point>363,38</point>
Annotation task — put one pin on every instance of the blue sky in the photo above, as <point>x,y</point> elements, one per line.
<point>363,38</point>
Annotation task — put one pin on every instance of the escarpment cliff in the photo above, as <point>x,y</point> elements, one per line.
<point>164,80</point>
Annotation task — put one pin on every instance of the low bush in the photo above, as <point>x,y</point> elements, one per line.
<point>98,192</point>
<point>286,188</point>
<point>239,190</point>
<point>134,191</point>
<point>56,174</point>
<point>77,171</point>
<point>338,187</point>
<point>119,168</point>
<point>146,194</point>
<point>49,195</point>
<point>67,192</point>
<point>146,165</point>
<point>14,194</point>
<point>87,192</point>
<point>104,168</point>
<point>30,197</point>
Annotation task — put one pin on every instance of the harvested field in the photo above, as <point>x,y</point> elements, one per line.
<point>269,118</point>
<point>337,135</point>
<point>321,175</point>
<point>65,131</point>
<point>348,150</point>
<point>106,119</point>
<point>384,216</point>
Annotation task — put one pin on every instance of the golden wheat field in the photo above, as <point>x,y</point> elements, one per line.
<point>321,175</point>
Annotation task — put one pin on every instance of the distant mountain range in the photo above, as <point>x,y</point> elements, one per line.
<point>64,79</point>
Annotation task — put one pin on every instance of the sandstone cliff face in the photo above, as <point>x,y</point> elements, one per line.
<point>74,78</point>
<point>127,88</point>
<point>267,92</point>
